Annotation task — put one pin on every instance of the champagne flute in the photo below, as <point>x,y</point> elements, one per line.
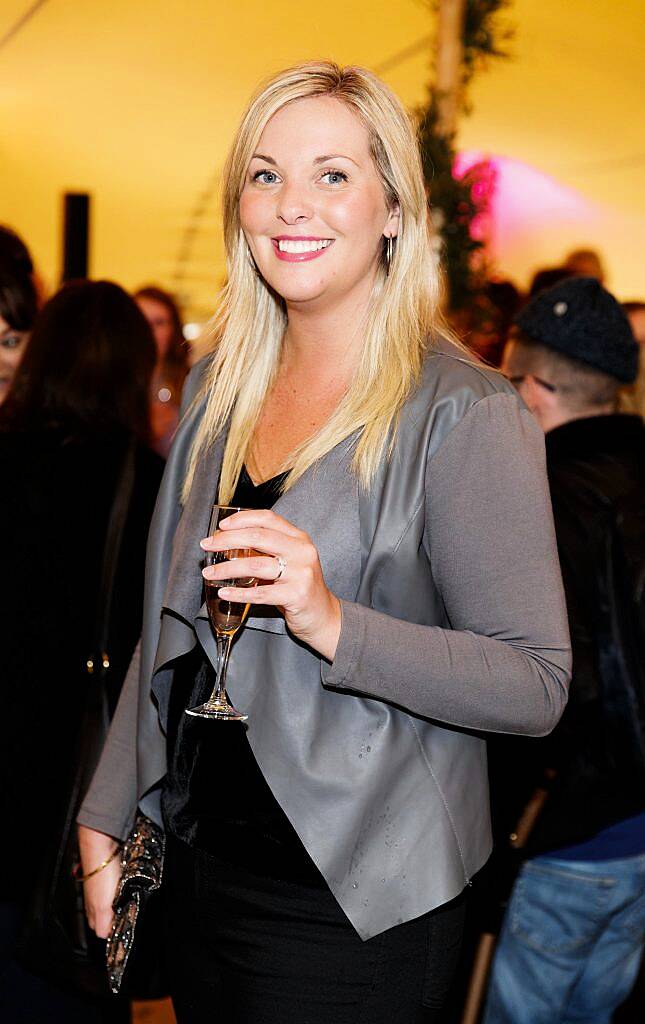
<point>226,618</point>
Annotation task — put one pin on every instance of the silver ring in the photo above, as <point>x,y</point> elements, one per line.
<point>282,564</point>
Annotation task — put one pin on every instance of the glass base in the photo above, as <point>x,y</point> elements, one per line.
<point>219,708</point>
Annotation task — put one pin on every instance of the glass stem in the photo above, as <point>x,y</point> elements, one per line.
<point>224,641</point>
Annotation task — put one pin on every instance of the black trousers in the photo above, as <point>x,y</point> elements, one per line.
<point>244,949</point>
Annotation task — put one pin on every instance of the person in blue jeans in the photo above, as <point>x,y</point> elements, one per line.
<point>574,930</point>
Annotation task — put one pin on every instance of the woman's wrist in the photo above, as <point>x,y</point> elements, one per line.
<point>95,846</point>
<point>326,640</point>
<point>81,874</point>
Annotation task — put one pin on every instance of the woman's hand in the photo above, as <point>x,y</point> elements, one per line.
<point>311,611</point>
<point>99,890</point>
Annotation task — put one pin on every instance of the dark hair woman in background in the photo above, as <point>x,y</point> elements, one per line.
<point>78,402</point>
<point>18,304</point>
<point>162,313</point>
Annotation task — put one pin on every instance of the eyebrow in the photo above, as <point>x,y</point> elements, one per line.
<point>334,156</point>
<point>318,160</point>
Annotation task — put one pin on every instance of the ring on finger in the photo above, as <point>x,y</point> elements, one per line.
<point>282,565</point>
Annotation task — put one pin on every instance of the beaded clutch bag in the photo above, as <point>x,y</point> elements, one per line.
<point>141,873</point>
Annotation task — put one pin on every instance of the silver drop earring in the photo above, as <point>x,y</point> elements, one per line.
<point>389,251</point>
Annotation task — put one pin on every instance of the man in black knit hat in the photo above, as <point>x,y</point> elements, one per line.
<point>574,930</point>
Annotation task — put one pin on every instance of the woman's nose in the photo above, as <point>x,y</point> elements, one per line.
<point>294,203</point>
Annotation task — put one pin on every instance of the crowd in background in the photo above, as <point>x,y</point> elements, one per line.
<point>90,390</point>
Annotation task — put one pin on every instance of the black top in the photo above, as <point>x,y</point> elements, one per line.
<point>215,796</point>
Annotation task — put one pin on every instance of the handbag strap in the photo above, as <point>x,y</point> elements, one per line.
<point>111,552</point>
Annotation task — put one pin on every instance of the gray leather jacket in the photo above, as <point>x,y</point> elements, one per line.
<point>454,622</point>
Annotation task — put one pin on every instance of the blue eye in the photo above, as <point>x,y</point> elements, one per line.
<point>335,177</point>
<point>11,341</point>
<point>265,177</point>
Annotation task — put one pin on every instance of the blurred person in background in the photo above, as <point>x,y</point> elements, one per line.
<point>13,251</point>
<point>162,313</point>
<point>18,304</point>
<point>78,403</point>
<point>504,300</point>
<point>484,323</point>
<point>573,934</point>
<point>585,263</point>
<point>547,277</point>
<point>632,397</point>
<point>636,316</point>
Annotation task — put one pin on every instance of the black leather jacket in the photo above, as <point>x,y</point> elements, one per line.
<point>596,754</point>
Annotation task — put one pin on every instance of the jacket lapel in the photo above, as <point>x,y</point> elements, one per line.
<point>183,595</point>
<point>332,524</point>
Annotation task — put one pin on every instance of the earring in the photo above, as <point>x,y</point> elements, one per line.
<point>389,252</point>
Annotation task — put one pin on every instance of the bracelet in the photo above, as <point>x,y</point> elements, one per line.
<point>95,871</point>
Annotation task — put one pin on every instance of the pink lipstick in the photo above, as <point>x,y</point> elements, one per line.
<point>300,248</point>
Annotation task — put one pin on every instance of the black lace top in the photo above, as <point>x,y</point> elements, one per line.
<point>215,796</point>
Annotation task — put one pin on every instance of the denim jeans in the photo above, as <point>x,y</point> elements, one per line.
<point>570,944</point>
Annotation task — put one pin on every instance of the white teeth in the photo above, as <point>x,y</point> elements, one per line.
<point>296,247</point>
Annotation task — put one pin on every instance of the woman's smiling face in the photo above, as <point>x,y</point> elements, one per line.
<point>313,208</point>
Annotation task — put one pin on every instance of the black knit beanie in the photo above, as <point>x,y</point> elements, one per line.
<point>580,319</point>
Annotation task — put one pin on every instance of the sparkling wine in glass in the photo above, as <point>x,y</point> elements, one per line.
<point>226,618</point>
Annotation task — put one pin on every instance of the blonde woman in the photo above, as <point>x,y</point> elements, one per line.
<point>408,594</point>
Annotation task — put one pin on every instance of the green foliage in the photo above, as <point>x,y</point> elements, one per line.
<point>484,37</point>
<point>452,206</point>
<point>456,202</point>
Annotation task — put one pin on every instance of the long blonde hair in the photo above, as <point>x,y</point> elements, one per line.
<point>245,336</point>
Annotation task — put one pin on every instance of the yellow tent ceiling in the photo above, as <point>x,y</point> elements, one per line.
<point>136,103</point>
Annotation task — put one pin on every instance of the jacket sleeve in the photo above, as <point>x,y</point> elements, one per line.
<point>505,662</point>
<point>111,801</point>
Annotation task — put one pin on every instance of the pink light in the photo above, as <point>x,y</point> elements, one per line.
<point>528,211</point>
